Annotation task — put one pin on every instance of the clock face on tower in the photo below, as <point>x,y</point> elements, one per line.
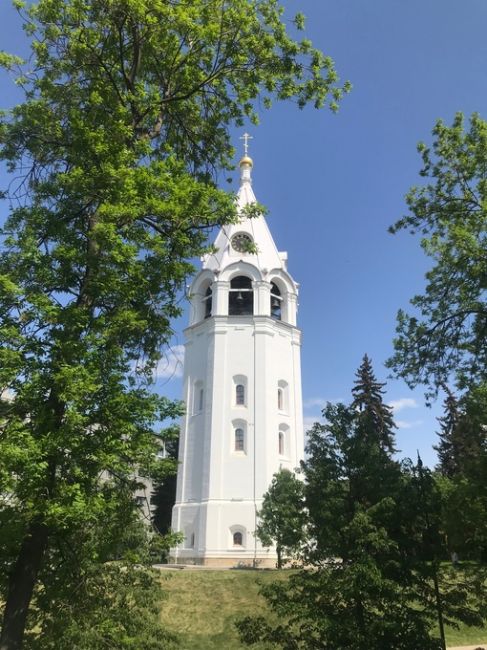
<point>241,242</point>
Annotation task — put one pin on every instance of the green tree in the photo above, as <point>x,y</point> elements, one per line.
<point>104,593</point>
<point>282,517</point>
<point>462,434</point>
<point>463,465</point>
<point>448,446</point>
<point>445,334</point>
<point>372,578</point>
<point>376,417</point>
<point>113,154</point>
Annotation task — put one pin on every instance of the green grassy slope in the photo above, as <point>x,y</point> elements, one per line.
<point>202,606</point>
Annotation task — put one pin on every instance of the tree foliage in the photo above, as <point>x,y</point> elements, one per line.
<point>448,445</point>
<point>104,594</point>
<point>113,155</point>
<point>446,333</point>
<point>373,576</point>
<point>376,417</point>
<point>282,516</point>
<point>462,454</point>
<point>462,437</point>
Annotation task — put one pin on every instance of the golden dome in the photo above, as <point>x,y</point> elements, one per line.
<point>246,160</point>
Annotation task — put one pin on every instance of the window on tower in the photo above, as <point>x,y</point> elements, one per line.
<point>198,397</point>
<point>281,443</point>
<point>240,395</point>
<point>280,399</point>
<point>283,440</point>
<point>241,297</point>
<point>282,396</point>
<point>239,440</point>
<point>237,539</point>
<point>276,302</point>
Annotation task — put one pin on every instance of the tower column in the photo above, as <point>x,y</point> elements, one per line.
<point>220,298</point>
<point>292,308</point>
<point>262,292</point>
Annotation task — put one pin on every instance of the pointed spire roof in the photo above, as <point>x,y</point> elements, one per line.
<point>267,256</point>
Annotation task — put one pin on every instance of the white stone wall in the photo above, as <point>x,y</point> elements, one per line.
<point>219,488</point>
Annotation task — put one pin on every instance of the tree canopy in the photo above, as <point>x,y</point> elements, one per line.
<point>373,576</point>
<point>113,156</point>
<point>445,335</point>
<point>462,455</point>
<point>282,517</point>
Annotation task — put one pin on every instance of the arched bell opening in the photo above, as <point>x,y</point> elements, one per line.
<point>276,302</point>
<point>202,299</point>
<point>208,302</point>
<point>241,297</point>
<point>282,298</point>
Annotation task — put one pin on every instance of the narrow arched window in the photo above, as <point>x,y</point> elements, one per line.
<point>281,443</point>
<point>280,400</point>
<point>239,440</point>
<point>276,302</point>
<point>198,397</point>
<point>192,540</point>
<point>241,297</point>
<point>240,395</point>
<point>237,539</point>
<point>208,302</point>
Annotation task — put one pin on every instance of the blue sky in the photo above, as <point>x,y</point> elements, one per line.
<point>334,183</point>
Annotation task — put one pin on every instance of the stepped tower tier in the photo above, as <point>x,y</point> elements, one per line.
<point>242,389</point>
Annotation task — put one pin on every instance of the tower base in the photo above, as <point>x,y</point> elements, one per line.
<point>235,562</point>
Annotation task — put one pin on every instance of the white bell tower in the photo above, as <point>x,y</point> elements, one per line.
<point>242,389</point>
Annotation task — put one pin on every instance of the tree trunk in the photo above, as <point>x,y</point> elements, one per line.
<point>21,585</point>
<point>439,609</point>
<point>279,557</point>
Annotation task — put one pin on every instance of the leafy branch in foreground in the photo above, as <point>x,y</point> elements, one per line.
<point>114,155</point>
<point>445,336</point>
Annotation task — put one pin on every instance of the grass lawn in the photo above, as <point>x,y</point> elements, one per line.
<point>466,636</point>
<point>202,607</point>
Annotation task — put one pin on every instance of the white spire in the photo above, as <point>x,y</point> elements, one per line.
<point>246,163</point>
<point>267,256</point>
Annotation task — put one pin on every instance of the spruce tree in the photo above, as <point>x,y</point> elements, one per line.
<point>462,453</point>
<point>447,447</point>
<point>376,417</point>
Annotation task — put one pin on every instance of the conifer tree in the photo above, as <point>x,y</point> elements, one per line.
<point>463,433</point>
<point>463,465</point>
<point>376,417</point>
<point>447,447</point>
